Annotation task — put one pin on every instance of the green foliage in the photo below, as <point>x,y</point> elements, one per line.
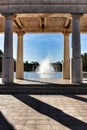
<point>14,65</point>
<point>30,66</point>
<point>57,66</point>
<point>1,54</point>
<point>84,61</point>
<point>34,64</point>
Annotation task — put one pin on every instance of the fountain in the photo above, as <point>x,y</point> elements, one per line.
<point>45,70</point>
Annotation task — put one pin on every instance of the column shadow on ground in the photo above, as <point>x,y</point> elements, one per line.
<point>37,81</point>
<point>52,112</point>
<point>4,124</point>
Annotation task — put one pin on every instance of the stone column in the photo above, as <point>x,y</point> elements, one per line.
<point>19,63</point>
<point>66,57</point>
<point>76,62</point>
<point>8,62</point>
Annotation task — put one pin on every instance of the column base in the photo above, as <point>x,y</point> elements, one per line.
<point>19,70</point>
<point>18,77</point>
<point>76,70</point>
<point>66,70</point>
<point>8,70</point>
<point>7,81</point>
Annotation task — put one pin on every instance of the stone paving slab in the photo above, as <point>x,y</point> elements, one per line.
<point>39,81</point>
<point>43,112</point>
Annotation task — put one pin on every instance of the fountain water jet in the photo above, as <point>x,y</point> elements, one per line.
<point>45,69</point>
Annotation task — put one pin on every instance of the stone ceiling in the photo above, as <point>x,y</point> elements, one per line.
<point>38,23</point>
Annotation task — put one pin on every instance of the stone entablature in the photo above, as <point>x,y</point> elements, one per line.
<point>43,6</point>
<point>43,1</point>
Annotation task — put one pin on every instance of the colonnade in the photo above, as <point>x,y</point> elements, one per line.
<point>72,69</point>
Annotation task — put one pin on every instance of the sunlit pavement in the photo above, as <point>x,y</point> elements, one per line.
<point>43,81</point>
<point>43,112</point>
<point>40,81</point>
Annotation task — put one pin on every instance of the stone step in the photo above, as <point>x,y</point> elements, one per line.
<point>43,89</point>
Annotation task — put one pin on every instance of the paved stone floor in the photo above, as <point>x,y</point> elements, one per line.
<point>43,112</point>
<point>43,81</point>
<point>39,81</point>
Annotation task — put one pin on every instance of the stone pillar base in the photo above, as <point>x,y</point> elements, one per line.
<point>66,70</point>
<point>19,70</point>
<point>76,70</point>
<point>8,68</point>
<point>7,80</point>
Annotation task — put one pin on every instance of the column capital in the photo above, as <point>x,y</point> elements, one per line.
<point>20,33</point>
<point>76,16</point>
<point>9,15</point>
<point>66,33</point>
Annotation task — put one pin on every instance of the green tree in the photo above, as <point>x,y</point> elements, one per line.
<point>1,56</point>
<point>84,61</point>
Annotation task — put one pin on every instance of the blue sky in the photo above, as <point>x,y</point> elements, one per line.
<point>40,46</point>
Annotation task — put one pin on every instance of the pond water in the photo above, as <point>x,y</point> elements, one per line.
<point>41,75</point>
